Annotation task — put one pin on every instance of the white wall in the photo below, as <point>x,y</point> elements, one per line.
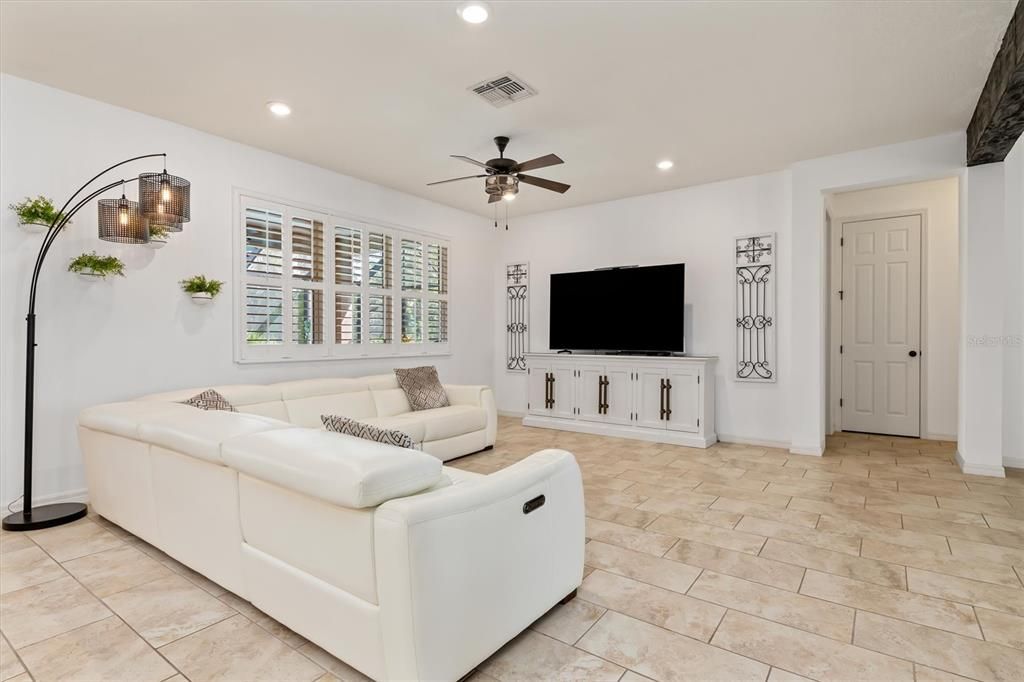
<point>980,445</point>
<point>111,341</point>
<point>697,226</point>
<point>939,199</point>
<point>1013,333</point>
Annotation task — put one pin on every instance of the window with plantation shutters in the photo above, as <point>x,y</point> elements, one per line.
<point>315,285</point>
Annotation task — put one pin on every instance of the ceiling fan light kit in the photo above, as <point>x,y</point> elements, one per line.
<point>504,175</point>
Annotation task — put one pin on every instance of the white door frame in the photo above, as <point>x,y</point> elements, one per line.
<point>835,315</point>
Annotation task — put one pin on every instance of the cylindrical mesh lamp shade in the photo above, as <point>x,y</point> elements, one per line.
<point>165,199</point>
<point>121,221</point>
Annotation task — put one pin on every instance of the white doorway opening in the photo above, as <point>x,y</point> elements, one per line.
<point>893,276</point>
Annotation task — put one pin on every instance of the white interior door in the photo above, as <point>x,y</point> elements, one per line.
<point>881,347</point>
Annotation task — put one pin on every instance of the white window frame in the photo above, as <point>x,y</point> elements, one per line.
<point>289,351</point>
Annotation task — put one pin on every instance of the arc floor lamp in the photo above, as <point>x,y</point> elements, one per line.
<point>164,200</point>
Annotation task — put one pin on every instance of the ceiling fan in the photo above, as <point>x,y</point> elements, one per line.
<point>504,175</point>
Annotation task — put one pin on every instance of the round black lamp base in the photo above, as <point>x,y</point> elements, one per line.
<point>46,516</point>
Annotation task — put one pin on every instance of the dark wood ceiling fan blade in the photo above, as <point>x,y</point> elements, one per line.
<point>494,198</point>
<point>559,187</point>
<point>464,177</point>
<point>472,161</point>
<point>539,162</point>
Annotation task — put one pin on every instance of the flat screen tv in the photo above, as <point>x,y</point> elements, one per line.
<point>630,309</point>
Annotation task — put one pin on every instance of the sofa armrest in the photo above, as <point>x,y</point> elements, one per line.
<point>339,469</point>
<point>464,569</point>
<point>465,394</point>
<point>478,396</point>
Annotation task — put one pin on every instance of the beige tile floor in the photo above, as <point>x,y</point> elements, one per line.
<point>879,561</point>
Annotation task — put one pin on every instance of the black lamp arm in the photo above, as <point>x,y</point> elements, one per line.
<point>62,219</point>
<point>55,230</point>
<point>95,177</point>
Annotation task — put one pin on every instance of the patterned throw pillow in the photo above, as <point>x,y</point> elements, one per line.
<point>210,400</point>
<point>422,388</point>
<point>351,427</point>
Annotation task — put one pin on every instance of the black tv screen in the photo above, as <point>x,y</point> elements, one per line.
<point>636,309</point>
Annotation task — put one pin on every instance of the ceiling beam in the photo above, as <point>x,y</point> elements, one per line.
<point>999,117</point>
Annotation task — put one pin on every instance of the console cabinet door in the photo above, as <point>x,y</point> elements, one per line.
<point>588,392</point>
<point>537,389</point>
<point>618,395</point>
<point>683,400</point>
<point>563,390</point>
<point>648,401</point>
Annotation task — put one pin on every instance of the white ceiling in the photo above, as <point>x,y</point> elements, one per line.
<point>378,90</point>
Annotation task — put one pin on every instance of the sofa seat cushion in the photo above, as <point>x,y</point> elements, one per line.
<point>445,422</point>
<point>343,470</point>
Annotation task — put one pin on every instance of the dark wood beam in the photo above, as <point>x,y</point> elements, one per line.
<point>999,117</point>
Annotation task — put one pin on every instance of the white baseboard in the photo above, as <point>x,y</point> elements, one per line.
<point>654,435</point>
<point>940,436</point>
<point>1013,462</point>
<point>511,413</point>
<point>980,469</point>
<point>80,495</point>
<point>813,450</point>
<point>743,440</point>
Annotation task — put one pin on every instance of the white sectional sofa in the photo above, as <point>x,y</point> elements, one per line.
<point>468,425</point>
<point>402,567</point>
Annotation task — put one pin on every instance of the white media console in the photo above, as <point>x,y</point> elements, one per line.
<point>663,399</point>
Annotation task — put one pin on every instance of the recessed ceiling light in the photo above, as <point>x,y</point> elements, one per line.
<point>474,12</point>
<point>279,109</point>
<point>665,165</point>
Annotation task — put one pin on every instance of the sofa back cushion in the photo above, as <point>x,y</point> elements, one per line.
<point>306,400</point>
<point>261,400</point>
<point>343,470</point>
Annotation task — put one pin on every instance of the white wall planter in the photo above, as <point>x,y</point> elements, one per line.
<point>157,242</point>
<point>201,298</point>
<point>34,228</point>
<point>90,275</point>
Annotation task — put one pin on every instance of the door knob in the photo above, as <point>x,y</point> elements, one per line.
<point>912,353</point>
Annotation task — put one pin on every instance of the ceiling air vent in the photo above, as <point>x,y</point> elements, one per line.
<point>504,89</point>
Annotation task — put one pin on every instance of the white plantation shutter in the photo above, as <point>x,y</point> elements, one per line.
<point>314,285</point>
<point>348,317</point>
<point>437,321</point>
<point>379,258</point>
<point>348,256</point>
<point>264,316</point>
<point>380,321</point>
<point>412,265</point>
<point>437,269</point>
<point>264,244</point>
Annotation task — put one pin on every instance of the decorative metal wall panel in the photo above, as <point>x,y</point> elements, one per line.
<point>517,316</point>
<point>756,325</point>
